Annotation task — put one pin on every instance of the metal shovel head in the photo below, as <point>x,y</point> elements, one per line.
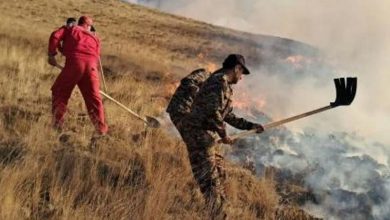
<point>152,122</point>
<point>345,91</point>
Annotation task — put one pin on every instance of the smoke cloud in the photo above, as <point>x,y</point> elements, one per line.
<point>343,155</point>
<point>354,35</point>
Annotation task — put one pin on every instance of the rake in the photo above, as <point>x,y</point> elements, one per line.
<point>148,120</point>
<point>345,94</point>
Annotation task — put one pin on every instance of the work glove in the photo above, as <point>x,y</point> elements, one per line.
<point>227,140</point>
<point>52,60</point>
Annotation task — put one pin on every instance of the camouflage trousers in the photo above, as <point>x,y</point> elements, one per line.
<point>207,166</point>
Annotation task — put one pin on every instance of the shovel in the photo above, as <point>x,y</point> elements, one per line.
<point>148,120</point>
<point>345,94</point>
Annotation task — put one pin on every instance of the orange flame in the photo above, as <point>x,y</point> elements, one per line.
<point>171,88</point>
<point>201,56</point>
<point>208,65</point>
<point>211,67</point>
<point>243,102</point>
<point>247,103</point>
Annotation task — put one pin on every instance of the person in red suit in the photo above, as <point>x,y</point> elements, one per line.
<point>81,49</point>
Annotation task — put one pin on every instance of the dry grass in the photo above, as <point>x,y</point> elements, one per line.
<point>132,174</point>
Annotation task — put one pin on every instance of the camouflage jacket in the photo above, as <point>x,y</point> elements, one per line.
<point>183,97</point>
<point>213,105</point>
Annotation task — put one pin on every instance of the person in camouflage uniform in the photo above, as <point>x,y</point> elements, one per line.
<point>181,101</point>
<point>212,107</point>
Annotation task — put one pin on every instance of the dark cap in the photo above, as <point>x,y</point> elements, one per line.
<point>232,60</point>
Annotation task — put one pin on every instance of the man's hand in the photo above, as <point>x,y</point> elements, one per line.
<point>52,60</point>
<point>259,128</point>
<point>227,140</point>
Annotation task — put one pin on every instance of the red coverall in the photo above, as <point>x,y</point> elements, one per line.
<point>82,50</point>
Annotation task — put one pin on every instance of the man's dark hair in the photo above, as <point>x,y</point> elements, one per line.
<point>70,21</point>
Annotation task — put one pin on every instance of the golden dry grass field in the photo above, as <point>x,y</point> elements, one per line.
<point>134,173</point>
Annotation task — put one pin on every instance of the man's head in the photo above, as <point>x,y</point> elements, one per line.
<point>85,22</point>
<point>235,66</point>
<point>70,22</point>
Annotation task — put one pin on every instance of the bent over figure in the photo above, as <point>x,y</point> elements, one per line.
<point>212,107</point>
<point>82,50</point>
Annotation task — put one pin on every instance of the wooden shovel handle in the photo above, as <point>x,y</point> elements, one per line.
<point>102,75</point>
<point>277,123</point>
<point>123,106</point>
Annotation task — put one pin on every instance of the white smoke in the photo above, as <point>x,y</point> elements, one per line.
<point>353,33</point>
<point>346,183</point>
<point>343,154</point>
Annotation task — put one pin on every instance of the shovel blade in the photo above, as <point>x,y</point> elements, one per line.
<point>345,91</point>
<point>152,122</point>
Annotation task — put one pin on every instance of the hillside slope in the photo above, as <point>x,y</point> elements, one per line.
<point>134,173</point>
<point>145,36</point>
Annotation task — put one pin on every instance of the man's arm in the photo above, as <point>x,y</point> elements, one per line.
<point>241,123</point>
<point>54,43</point>
<point>238,122</point>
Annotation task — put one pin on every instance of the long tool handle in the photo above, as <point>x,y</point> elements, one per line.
<point>102,74</point>
<point>124,107</point>
<point>283,121</point>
